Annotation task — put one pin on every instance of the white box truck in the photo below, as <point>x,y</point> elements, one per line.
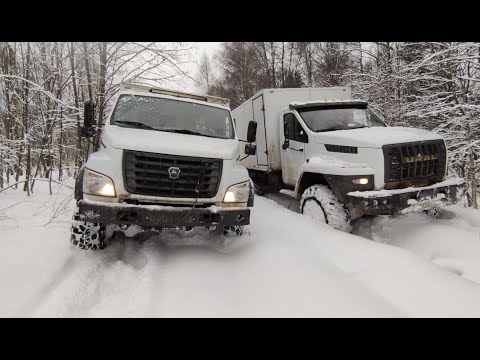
<point>167,159</point>
<point>339,157</point>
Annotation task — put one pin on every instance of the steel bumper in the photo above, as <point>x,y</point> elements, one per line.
<point>394,202</point>
<point>161,216</point>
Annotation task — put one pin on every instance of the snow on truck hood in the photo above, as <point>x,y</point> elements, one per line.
<point>375,137</point>
<point>169,143</point>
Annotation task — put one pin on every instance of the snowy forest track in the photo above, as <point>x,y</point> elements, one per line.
<point>288,265</point>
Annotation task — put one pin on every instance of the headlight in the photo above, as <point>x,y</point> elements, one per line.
<point>237,193</point>
<point>97,184</point>
<point>361,181</point>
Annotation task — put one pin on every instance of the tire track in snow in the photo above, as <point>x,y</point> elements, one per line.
<point>74,293</point>
<point>41,296</point>
<point>141,273</point>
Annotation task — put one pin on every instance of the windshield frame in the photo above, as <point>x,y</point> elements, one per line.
<point>337,107</point>
<point>113,122</point>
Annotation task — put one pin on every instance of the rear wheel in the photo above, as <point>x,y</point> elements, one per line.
<point>321,203</point>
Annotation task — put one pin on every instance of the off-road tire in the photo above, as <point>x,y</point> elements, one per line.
<point>233,230</point>
<point>88,236</point>
<point>228,230</point>
<point>433,213</point>
<point>258,189</point>
<point>321,203</point>
<point>262,189</point>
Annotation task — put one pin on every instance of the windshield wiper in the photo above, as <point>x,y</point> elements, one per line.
<point>331,129</point>
<point>185,131</point>
<point>348,128</point>
<point>179,131</point>
<point>136,124</point>
<point>358,127</point>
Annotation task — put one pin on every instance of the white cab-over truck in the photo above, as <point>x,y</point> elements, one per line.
<point>167,160</point>
<point>339,157</point>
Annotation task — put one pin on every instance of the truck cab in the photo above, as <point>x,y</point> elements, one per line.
<point>320,129</point>
<point>341,160</point>
<point>167,160</point>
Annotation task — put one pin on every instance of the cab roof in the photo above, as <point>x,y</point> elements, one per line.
<point>128,88</point>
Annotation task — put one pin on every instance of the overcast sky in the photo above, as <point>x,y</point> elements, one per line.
<point>207,47</point>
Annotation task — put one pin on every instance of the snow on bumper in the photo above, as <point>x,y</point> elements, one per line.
<point>402,201</point>
<point>161,216</point>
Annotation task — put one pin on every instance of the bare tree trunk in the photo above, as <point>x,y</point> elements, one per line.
<point>87,68</point>
<point>274,82</point>
<point>26,186</point>
<point>60,149</point>
<point>101,91</point>
<point>90,92</point>
<point>283,64</point>
<point>75,94</point>
<point>473,170</point>
<point>1,168</point>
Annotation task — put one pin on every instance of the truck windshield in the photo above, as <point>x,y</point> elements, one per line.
<point>152,113</point>
<point>339,118</point>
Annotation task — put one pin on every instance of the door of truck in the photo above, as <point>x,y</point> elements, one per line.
<point>261,141</point>
<point>293,139</point>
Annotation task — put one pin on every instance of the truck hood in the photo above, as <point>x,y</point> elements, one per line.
<point>375,137</point>
<point>169,143</point>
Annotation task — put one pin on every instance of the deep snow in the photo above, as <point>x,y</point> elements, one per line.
<point>288,265</point>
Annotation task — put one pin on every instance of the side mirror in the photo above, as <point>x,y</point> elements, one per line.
<point>88,119</point>
<point>250,149</point>
<point>252,131</point>
<point>286,142</point>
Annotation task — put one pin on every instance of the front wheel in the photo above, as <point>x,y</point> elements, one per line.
<point>434,213</point>
<point>228,230</point>
<point>321,203</point>
<point>88,236</point>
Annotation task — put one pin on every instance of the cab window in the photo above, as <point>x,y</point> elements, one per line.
<point>293,130</point>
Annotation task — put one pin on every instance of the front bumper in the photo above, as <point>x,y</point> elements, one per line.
<point>402,201</point>
<point>161,216</point>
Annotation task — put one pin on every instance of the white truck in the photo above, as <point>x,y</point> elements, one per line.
<point>339,158</point>
<point>167,160</point>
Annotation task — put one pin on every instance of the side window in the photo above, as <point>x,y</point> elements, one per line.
<point>289,126</point>
<point>300,134</point>
<point>293,130</point>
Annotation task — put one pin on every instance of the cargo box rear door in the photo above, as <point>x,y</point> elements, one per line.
<point>259,117</point>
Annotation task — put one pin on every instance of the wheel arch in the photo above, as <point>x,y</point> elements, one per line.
<point>308,179</point>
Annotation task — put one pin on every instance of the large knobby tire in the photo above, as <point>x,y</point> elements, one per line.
<point>433,213</point>
<point>237,230</point>
<point>88,236</point>
<point>321,203</point>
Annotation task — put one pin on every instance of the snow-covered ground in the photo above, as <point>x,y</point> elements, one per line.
<point>288,265</point>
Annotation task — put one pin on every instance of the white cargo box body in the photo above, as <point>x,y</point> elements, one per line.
<point>265,108</point>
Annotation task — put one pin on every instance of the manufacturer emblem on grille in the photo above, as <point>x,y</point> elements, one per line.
<point>420,157</point>
<point>174,172</point>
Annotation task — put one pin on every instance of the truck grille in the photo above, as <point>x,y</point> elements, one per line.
<point>157,175</point>
<point>414,164</point>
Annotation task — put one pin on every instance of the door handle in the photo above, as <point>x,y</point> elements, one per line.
<point>301,150</point>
